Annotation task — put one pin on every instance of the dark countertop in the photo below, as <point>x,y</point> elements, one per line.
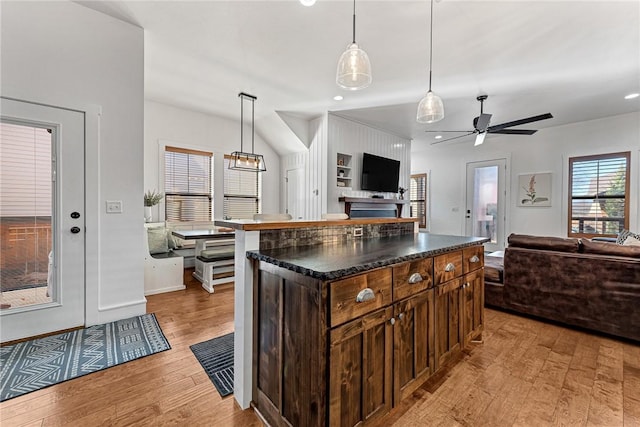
<point>333,261</point>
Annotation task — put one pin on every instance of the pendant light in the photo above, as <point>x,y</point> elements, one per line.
<point>354,68</point>
<point>240,160</point>
<point>431,108</point>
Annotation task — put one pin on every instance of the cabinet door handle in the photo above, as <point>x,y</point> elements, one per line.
<point>474,258</point>
<point>450,267</point>
<point>365,295</point>
<point>415,278</point>
<point>392,321</point>
<point>401,316</point>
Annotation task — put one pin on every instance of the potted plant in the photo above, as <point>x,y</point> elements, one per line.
<point>151,198</point>
<point>401,191</point>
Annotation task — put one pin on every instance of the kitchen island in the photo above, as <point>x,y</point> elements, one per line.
<point>344,332</point>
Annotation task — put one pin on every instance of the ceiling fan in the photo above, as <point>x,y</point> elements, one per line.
<point>481,126</point>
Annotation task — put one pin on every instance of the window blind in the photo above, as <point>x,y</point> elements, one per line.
<point>418,198</point>
<point>242,191</point>
<point>187,184</point>
<point>25,171</point>
<point>599,187</point>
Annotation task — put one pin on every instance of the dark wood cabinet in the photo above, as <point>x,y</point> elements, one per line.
<point>413,344</point>
<point>360,361</point>
<point>345,352</point>
<point>473,306</point>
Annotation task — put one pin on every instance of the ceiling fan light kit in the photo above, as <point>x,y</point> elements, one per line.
<point>431,107</point>
<point>481,126</point>
<point>241,160</point>
<point>354,68</point>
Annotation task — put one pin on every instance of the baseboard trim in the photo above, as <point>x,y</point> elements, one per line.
<point>163,290</point>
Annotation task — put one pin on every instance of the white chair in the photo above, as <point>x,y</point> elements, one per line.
<point>272,217</point>
<point>332,216</point>
<point>163,272</point>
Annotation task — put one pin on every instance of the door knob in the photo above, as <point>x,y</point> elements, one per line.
<point>75,230</point>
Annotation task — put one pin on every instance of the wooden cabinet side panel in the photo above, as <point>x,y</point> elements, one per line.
<point>303,356</point>
<point>268,314</point>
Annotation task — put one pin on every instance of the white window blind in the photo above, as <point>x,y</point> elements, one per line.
<point>418,198</point>
<point>242,191</point>
<point>187,185</point>
<point>598,187</point>
<point>25,171</point>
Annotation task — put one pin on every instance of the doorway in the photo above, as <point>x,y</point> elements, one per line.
<point>294,181</point>
<point>485,202</point>
<point>41,219</point>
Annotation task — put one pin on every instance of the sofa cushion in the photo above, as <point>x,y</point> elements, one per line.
<point>624,234</point>
<point>493,269</point>
<point>605,248</point>
<point>631,241</point>
<point>544,243</point>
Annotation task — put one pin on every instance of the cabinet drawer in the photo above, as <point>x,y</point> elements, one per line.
<point>412,277</point>
<point>447,267</point>
<point>450,286</point>
<point>472,258</point>
<point>357,295</point>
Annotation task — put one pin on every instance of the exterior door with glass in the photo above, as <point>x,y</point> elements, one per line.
<point>42,209</point>
<point>485,205</point>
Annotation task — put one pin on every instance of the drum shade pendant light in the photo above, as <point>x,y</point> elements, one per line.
<point>354,68</point>
<point>241,160</point>
<point>431,108</point>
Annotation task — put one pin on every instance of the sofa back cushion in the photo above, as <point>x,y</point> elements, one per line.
<point>606,248</point>
<point>560,244</point>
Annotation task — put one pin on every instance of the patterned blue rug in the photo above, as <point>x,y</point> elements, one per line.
<point>31,365</point>
<point>216,357</point>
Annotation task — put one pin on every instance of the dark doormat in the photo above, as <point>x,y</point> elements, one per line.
<point>216,357</point>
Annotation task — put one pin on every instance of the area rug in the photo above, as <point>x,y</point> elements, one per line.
<point>216,357</point>
<point>31,365</point>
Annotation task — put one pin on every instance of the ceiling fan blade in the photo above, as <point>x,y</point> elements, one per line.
<point>481,122</point>
<point>520,122</point>
<point>454,131</point>
<point>451,139</point>
<point>514,131</point>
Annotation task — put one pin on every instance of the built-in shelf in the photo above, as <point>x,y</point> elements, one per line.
<point>343,170</point>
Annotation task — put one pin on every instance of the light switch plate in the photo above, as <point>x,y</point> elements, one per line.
<point>114,206</point>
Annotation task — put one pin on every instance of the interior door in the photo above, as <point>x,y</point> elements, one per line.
<point>295,199</point>
<point>485,205</point>
<point>65,305</point>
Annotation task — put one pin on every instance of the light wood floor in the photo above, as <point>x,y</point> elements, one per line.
<point>526,373</point>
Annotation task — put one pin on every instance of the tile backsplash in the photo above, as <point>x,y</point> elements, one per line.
<point>271,239</point>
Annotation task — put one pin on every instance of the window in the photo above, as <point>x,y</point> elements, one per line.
<point>187,185</point>
<point>241,192</point>
<point>598,195</point>
<point>418,198</point>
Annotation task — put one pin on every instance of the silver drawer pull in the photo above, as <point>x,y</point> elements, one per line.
<point>474,258</point>
<point>415,278</point>
<point>450,267</point>
<point>365,295</point>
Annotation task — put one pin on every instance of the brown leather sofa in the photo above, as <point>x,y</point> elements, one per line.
<point>594,285</point>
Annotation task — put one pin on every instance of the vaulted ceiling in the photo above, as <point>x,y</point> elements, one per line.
<point>575,59</point>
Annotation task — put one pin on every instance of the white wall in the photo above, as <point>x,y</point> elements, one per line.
<point>63,54</point>
<point>168,124</point>
<point>350,137</point>
<point>546,151</point>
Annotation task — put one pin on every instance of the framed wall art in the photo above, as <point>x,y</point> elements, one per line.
<point>534,189</point>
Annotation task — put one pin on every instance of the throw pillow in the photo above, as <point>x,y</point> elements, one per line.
<point>631,241</point>
<point>158,242</point>
<point>622,236</point>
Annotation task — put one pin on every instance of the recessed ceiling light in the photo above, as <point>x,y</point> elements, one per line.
<point>632,95</point>
<point>308,2</point>
<point>338,98</point>
<point>438,136</point>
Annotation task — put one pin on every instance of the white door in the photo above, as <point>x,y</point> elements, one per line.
<point>295,200</point>
<point>485,205</point>
<point>64,306</point>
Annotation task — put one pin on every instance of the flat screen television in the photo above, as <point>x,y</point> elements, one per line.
<point>379,173</point>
